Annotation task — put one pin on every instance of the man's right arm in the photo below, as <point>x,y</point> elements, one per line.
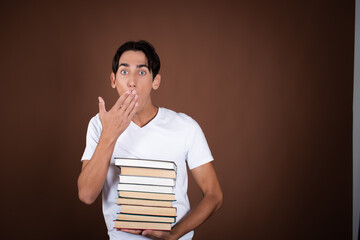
<point>93,173</point>
<point>114,122</point>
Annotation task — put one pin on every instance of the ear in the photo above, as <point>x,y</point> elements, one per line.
<point>156,82</point>
<point>112,80</point>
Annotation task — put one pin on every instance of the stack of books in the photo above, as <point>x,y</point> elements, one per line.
<point>146,194</point>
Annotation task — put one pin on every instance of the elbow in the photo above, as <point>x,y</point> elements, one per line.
<point>219,200</point>
<point>85,198</point>
<point>84,195</point>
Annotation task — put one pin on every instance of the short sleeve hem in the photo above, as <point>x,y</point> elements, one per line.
<point>92,137</point>
<point>198,164</point>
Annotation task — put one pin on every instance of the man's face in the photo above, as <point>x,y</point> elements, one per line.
<point>133,74</point>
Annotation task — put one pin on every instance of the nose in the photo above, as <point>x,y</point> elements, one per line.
<point>131,82</point>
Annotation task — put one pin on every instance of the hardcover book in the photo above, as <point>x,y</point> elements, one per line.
<point>146,163</point>
<point>147,172</point>
<point>147,180</point>
<point>143,225</point>
<point>144,218</point>
<point>144,188</point>
<point>146,210</point>
<point>143,202</point>
<point>145,195</point>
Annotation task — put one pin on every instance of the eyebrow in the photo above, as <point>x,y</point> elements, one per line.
<point>137,66</point>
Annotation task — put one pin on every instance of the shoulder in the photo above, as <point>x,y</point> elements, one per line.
<point>95,120</point>
<point>95,124</point>
<point>177,118</point>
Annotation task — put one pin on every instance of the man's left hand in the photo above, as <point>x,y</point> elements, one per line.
<point>158,235</point>
<point>152,234</point>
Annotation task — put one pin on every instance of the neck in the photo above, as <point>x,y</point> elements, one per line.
<point>145,115</point>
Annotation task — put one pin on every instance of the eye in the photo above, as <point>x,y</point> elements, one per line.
<point>142,72</point>
<point>124,72</point>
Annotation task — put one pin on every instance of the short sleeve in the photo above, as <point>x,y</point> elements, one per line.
<point>92,137</point>
<point>198,149</point>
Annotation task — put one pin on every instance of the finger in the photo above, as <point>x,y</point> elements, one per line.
<point>131,106</point>
<point>145,233</point>
<point>133,231</point>
<point>101,105</point>
<point>153,234</point>
<point>128,100</point>
<point>133,111</point>
<point>120,101</point>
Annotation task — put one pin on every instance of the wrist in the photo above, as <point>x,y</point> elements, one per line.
<point>174,234</point>
<point>107,139</point>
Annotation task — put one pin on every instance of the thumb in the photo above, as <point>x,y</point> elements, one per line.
<point>101,105</point>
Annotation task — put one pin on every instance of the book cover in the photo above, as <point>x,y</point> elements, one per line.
<point>147,163</point>
<point>147,180</point>
<point>143,225</point>
<point>144,188</point>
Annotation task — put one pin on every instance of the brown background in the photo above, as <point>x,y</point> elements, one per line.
<point>270,83</point>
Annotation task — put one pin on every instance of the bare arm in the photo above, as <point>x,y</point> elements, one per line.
<point>207,180</point>
<point>114,122</point>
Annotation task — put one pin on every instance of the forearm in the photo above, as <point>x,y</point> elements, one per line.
<point>209,204</point>
<point>93,175</point>
<point>114,122</point>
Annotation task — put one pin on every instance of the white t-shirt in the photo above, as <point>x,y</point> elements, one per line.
<point>169,136</point>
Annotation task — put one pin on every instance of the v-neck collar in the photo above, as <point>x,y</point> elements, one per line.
<point>149,123</point>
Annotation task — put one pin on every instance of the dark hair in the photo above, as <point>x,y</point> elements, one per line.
<point>144,46</point>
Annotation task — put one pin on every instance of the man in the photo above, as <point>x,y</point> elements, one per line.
<point>135,128</point>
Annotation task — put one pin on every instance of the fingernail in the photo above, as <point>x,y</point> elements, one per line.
<point>127,92</point>
<point>136,96</point>
<point>134,92</point>
<point>100,100</point>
